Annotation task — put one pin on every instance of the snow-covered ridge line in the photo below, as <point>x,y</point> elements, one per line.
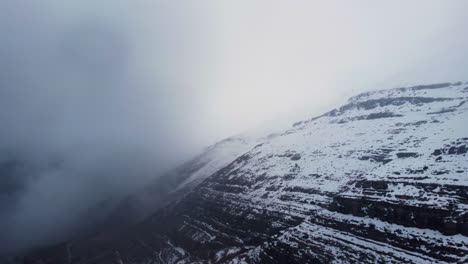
<point>415,95</point>
<point>413,89</point>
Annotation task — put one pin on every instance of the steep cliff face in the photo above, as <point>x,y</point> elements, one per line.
<point>382,179</point>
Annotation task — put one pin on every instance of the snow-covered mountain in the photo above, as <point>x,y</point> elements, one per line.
<point>382,179</point>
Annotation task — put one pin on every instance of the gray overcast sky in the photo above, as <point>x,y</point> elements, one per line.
<point>98,96</point>
<point>275,57</point>
<point>216,68</point>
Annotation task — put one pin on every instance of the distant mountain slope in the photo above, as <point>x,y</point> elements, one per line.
<point>175,183</point>
<point>382,179</point>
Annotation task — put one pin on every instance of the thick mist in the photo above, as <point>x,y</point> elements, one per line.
<point>89,110</point>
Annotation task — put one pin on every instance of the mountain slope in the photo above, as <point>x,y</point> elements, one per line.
<point>382,179</point>
<point>175,183</point>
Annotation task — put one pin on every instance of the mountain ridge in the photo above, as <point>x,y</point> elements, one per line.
<point>382,179</point>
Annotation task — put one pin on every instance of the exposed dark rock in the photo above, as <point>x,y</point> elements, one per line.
<point>379,185</point>
<point>456,148</point>
<point>442,111</point>
<point>417,171</point>
<point>414,216</point>
<point>431,86</point>
<point>452,150</point>
<point>397,101</point>
<point>297,123</point>
<point>407,155</point>
<point>296,156</point>
<point>440,172</point>
<point>462,150</point>
<point>369,117</point>
<point>382,115</point>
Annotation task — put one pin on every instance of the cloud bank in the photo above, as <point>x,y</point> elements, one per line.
<point>89,110</point>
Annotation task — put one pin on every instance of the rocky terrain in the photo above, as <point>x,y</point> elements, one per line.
<point>382,179</point>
